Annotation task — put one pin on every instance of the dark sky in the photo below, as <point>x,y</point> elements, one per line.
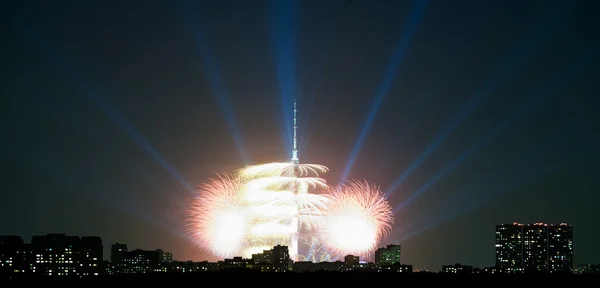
<point>481,112</point>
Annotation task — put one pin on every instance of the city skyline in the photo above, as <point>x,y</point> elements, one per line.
<point>519,248</point>
<point>464,114</point>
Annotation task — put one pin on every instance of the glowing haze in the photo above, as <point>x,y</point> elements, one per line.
<point>261,206</point>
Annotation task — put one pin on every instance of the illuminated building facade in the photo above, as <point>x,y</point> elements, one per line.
<point>457,269</point>
<point>59,254</point>
<point>275,260</point>
<point>560,248</point>
<point>235,262</point>
<point>388,255</point>
<point>141,261</point>
<point>15,255</point>
<point>509,247</point>
<point>588,269</point>
<point>535,247</point>
<point>137,261</point>
<point>90,254</point>
<point>167,257</point>
<point>52,255</point>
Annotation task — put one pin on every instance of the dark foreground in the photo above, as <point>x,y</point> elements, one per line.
<point>249,278</point>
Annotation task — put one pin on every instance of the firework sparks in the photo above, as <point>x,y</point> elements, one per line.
<point>218,220</point>
<point>316,251</point>
<point>260,206</point>
<point>356,220</point>
<point>264,205</point>
<point>280,169</point>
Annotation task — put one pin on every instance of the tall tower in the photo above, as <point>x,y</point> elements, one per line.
<point>293,249</point>
<point>295,159</point>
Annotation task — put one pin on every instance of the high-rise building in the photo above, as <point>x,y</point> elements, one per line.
<point>560,248</point>
<point>280,258</point>
<point>118,253</point>
<point>535,247</point>
<point>509,247</point>
<point>90,256</point>
<point>388,255</point>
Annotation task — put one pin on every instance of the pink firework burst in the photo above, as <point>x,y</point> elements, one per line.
<point>358,217</point>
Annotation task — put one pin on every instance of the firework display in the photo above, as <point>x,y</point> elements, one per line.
<point>218,218</point>
<point>356,219</point>
<point>264,205</point>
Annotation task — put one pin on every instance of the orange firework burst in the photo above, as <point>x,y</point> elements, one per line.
<point>356,219</point>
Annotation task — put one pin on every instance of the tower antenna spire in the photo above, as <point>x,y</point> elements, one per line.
<point>295,140</point>
<point>293,249</point>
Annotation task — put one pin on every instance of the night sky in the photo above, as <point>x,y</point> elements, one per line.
<point>468,113</point>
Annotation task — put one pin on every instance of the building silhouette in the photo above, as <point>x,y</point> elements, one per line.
<point>262,258</point>
<point>351,260</point>
<point>276,259</point>
<point>118,252</point>
<point>280,258</point>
